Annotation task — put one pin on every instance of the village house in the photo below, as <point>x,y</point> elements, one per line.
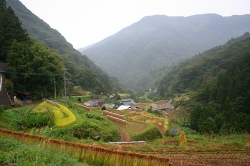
<point>127,102</point>
<point>94,103</point>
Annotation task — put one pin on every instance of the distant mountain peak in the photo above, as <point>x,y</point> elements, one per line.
<point>158,40</point>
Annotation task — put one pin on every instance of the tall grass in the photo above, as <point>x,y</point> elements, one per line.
<point>13,152</point>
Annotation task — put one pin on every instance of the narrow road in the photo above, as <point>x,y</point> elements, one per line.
<point>168,104</point>
<point>124,135</point>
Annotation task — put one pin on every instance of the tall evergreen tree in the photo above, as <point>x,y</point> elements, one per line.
<point>10,29</point>
<point>229,115</point>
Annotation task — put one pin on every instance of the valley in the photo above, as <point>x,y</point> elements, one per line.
<point>163,91</point>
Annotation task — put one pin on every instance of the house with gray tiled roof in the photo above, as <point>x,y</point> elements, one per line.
<point>129,102</point>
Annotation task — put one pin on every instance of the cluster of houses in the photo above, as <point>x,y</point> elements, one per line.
<point>123,104</point>
<point>132,105</point>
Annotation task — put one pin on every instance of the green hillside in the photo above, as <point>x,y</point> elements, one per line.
<point>80,70</point>
<point>217,82</point>
<point>190,74</point>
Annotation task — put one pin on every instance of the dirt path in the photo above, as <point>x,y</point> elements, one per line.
<point>124,135</point>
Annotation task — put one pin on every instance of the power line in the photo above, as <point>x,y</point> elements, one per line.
<point>33,74</point>
<point>64,79</point>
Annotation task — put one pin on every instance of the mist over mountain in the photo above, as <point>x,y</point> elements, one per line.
<point>159,40</point>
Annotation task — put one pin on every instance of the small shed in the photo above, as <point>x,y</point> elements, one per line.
<point>23,96</point>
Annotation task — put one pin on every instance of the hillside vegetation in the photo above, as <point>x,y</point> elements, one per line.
<point>80,70</point>
<point>210,92</point>
<point>217,83</point>
<point>59,122</point>
<point>157,41</point>
<point>73,142</point>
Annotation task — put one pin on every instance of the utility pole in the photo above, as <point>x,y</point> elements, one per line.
<point>55,87</point>
<point>64,80</point>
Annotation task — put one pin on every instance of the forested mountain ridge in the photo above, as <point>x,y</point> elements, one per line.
<point>154,76</point>
<point>218,84</point>
<point>192,73</point>
<point>81,70</point>
<point>159,40</point>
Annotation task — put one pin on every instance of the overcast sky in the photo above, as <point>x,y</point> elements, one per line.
<point>84,22</point>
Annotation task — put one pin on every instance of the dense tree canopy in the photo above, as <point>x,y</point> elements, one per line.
<point>10,29</point>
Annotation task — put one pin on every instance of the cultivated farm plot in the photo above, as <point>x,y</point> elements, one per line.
<point>233,159</point>
<point>161,123</point>
<point>134,127</point>
<point>62,115</point>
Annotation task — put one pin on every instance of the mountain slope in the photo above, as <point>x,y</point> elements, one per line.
<point>217,83</point>
<point>155,41</point>
<point>82,70</point>
<point>203,68</point>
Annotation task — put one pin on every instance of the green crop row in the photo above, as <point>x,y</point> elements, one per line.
<point>62,115</point>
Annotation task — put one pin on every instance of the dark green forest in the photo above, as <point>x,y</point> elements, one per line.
<point>33,64</point>
<point>218,82</point>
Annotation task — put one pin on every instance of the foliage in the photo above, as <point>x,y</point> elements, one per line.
<point>199,71</point>
<point>11,118</point>
<point>33,59</point>
<point>200,115</point>
<point>103,108</point>
<point>93,125</point>
<point>35,120</point>
<point>10,29</point>
<point>81,71</point>
<point>219,79</point>
<point>87,125</point>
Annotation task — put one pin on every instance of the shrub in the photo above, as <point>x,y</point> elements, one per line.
<point>103,108</point>
<point>91,128</point>
<point>92,116</point>
<point>35,120</point>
